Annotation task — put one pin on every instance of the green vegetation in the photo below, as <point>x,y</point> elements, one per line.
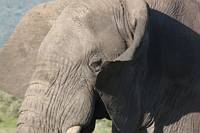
<point>103,126</point>
<point>9,108</point>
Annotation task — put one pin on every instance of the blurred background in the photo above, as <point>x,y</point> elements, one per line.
<point>11,12</point>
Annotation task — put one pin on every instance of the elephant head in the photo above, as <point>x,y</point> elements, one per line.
<point>61,93</point>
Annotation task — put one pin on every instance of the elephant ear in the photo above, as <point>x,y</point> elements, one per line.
<point>114,83</point>
<point>121,101</point>
<point>18,55</point>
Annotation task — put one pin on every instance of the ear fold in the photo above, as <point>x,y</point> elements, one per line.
<point>132,21</point>
<point>17,57</point>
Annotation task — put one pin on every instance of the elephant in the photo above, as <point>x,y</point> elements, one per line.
<point>138,59</point>
<point>50,63</point>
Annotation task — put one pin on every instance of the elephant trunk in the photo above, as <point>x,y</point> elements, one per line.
<point>29,120</point>
<point>58,100</point>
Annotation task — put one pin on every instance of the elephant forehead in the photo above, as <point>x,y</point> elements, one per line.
<point>101,24</point>
<point>79,30</point>
<point>95,25</point>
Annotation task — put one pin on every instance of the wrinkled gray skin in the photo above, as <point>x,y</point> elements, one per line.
<point>61,93</point>
<point>161,84</point>
<point>139,85</point>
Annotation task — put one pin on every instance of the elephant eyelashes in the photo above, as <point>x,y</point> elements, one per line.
<point>96,64</point>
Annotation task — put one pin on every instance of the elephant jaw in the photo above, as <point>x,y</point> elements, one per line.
<point>74,129</point>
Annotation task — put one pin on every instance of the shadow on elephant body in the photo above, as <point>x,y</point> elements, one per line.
<point>173,60</point>
<point>164,88</point>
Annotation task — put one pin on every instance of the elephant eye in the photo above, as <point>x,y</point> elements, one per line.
<point>96,64</point>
